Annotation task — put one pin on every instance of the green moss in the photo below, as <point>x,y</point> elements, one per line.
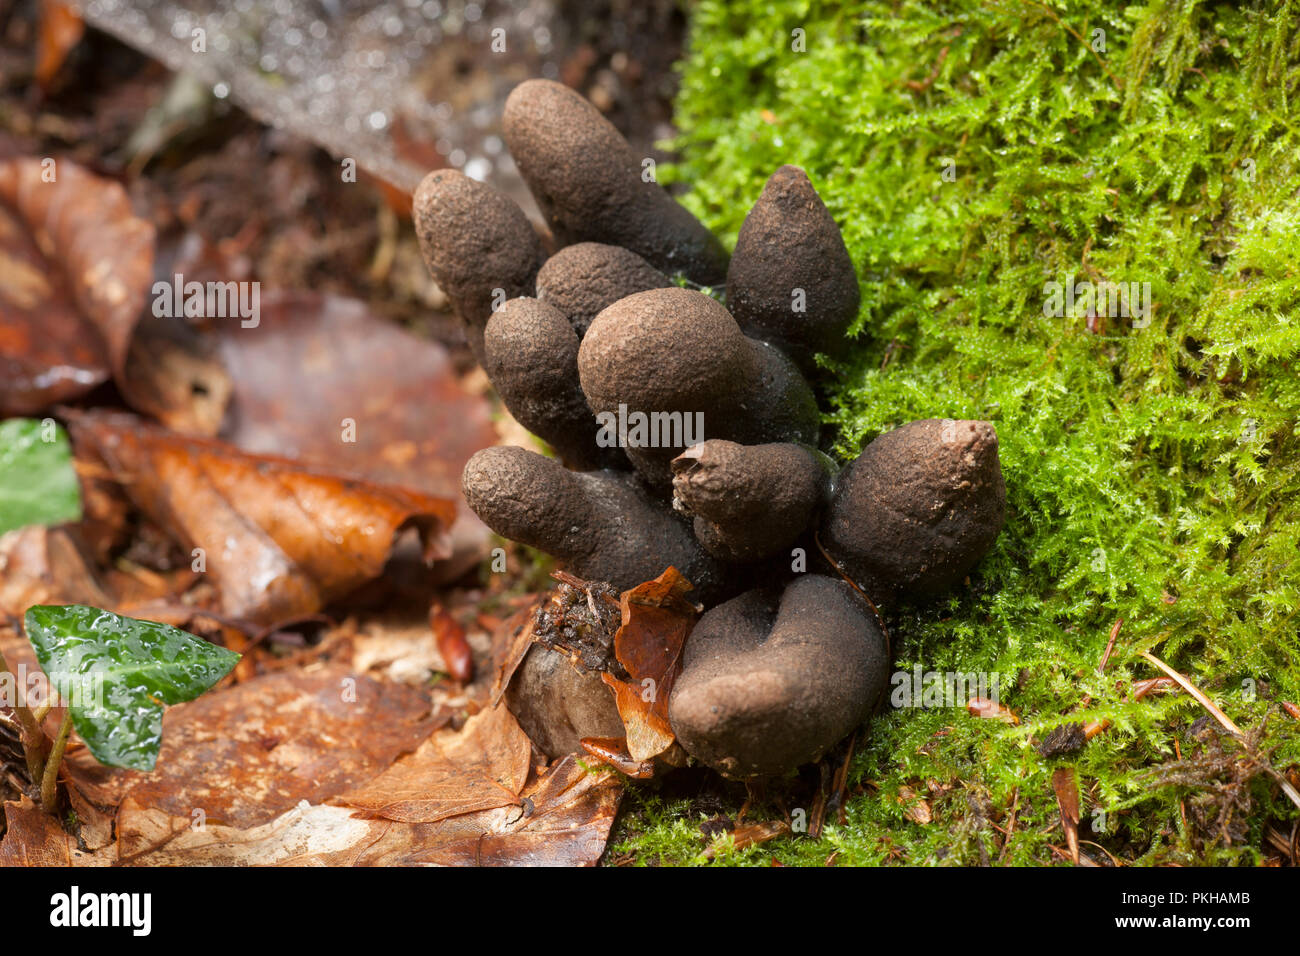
<point>1152,471</point>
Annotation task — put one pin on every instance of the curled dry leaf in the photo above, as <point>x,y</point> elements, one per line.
<point>657,619</point>
<point>480,767</point>
<point>510,643</point>
<point>77,272</point>
<point>245,754</point>
<point>281,540</point>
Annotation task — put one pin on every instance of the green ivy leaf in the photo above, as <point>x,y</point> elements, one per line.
<point>37,482</point>
<point>116,673</point>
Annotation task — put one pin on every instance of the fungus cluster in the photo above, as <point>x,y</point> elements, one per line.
<point>608,351</point>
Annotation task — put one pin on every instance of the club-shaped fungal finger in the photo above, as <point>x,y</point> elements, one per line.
<point>750,501</point>
<point>791,280</point>
<point>771,681</point>
<point>668,368</point>
<point>478,245</point>
<point>778,404</point>
<point>531,356</point>
<point>662,369</point>
<point>918,508</point>
<point>592,187</point>
<point>602,524</point>
<point>583,279</point>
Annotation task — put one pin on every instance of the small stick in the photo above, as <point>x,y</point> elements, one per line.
<point>1195,691</point>
<point>1110,645</point>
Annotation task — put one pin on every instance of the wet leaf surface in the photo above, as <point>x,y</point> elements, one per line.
<point>279,539</point>
<point>324,381</point>
<point>119,672</point>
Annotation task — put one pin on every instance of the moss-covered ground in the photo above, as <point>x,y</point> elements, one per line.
<point>974,152</point>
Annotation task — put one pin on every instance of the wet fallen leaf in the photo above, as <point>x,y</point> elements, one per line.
<point>657,618</point>
<point>322,380</point>
<point>245,754</point>
<point>279,539</point>
<point>77,273</point>
<point>1067,799</point>
<point>480,767</point>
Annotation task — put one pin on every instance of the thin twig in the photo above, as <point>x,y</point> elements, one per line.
<point>1110,645</point>
<point>1195,691</point>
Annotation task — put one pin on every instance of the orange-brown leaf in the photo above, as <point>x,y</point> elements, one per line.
<point>280,539</point>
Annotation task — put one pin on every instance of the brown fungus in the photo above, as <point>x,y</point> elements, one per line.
<point>918,508</point>
<point>602,524</point>
<point>770,680</point>
<point>750,501</point>
<point>478,245</point>
<point>592,187</point>
<point>670,367</point>
<point>791,280</point>
<point>583,279</point>
<point>531,356</point>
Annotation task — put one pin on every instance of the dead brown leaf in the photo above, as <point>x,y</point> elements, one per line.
<point>34,838</point>
<point>614,752</point>
<point>245,754</point>
<point>481,767</point>
<point>915,808</point>
<point>750,834</point>
<point>990,709</point>
<point>323,381</point>
<point>279,539</point>
<point>77,273</point>
<point>562,819</point>
<point>40,565</point>
<point>452,646</point>
<point>657,618</point>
